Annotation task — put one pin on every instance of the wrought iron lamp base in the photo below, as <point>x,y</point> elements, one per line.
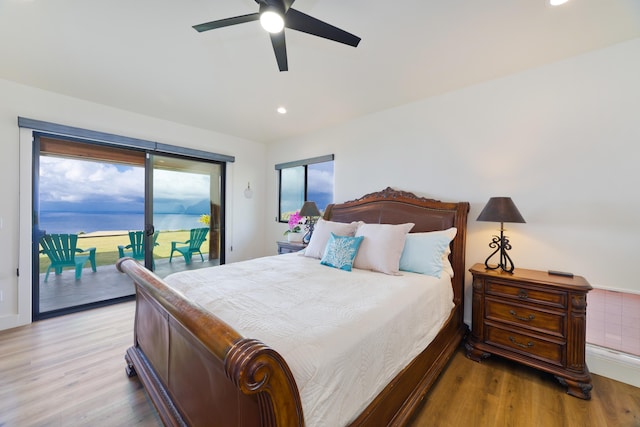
<point>501,245</point>
<point>307,237</point>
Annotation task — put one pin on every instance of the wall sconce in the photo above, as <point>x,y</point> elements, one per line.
<point>309,210</point>
<point>500,209</point>
<point>248,192</point>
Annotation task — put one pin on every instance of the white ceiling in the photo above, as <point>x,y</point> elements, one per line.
<point>143,55</point>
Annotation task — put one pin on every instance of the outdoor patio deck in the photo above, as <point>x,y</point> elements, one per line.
<point>63,291</point>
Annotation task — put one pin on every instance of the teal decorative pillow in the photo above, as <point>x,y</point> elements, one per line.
<point>341,251</point>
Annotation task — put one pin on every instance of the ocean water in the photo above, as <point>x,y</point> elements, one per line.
<point>88,222</point>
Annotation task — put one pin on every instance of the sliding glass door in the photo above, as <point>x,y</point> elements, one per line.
<point>186,213</point>
<point>96,203</point>
<point>87,198</point>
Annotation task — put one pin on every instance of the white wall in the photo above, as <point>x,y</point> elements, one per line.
<point>562,140</point>
<point>244,216</point>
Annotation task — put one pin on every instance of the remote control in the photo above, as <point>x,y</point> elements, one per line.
<point>560,273</point>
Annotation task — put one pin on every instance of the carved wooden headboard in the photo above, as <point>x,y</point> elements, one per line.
<point>391,206</point>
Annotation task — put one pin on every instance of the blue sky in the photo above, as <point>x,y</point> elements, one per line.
<point>321,175</point>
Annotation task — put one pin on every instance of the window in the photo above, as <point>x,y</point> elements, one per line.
<point>305,180</point>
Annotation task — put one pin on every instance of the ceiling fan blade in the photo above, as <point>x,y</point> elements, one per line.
<point>307,24</point>
<point>280,49</point>
<point>226,22</point>
<point>282,4</point>
<point>287,4</point>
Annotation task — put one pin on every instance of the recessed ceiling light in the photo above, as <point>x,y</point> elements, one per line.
<point>557,2</point>
<point>282,110</point>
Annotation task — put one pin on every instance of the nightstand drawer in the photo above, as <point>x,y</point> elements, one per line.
<point>554,299</point>
<point>526,317</point>
<point>546,351</point>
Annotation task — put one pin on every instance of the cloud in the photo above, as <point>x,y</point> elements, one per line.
<point>85,182</point>
<point>180,185</point>
<point>322,180</point>
<point>78,181</point>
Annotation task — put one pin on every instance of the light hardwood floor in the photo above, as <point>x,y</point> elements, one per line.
<point>497,392</point>
<point>69,371</point>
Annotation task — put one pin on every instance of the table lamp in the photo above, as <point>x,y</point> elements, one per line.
<point>309,210</point>
<point>500,209</point>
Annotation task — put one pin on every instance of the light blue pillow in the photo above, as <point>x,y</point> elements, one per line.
<point>425,253</point>
<point>341,251</point>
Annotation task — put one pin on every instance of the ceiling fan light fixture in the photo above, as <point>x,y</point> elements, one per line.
<point>272,21</point>
<point>274,15</point>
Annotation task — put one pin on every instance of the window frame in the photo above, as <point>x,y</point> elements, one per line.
<point>305,163</point>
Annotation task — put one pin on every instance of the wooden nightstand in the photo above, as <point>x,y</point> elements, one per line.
<point>534,318</point>
<point>285,247</point>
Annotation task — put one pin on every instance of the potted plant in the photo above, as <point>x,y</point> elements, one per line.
<point>294,233</point>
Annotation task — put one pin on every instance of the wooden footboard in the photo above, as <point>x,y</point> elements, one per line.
<point>198,370</point>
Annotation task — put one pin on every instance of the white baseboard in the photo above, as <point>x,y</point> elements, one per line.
<point>613,364</point>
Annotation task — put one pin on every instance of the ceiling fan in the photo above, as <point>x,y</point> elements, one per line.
<point>275,15</point>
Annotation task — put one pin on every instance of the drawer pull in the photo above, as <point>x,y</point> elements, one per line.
<point>527,345</point>
<point>529,318</point>
<point>522,294</point>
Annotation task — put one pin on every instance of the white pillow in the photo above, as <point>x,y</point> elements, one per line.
<point>321,233</point>
<point>426,253</point>
<point>382,247</point>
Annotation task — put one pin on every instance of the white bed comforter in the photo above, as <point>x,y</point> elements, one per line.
<point>344,335</point>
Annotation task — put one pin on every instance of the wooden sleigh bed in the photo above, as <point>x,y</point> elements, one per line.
<point>198,370</point>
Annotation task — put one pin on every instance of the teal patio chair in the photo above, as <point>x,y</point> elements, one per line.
<point>135,248</point>
<point>63,252</point>
<point>197,237</point>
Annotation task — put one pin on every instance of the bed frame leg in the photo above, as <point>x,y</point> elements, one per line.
<point>130,370</point>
